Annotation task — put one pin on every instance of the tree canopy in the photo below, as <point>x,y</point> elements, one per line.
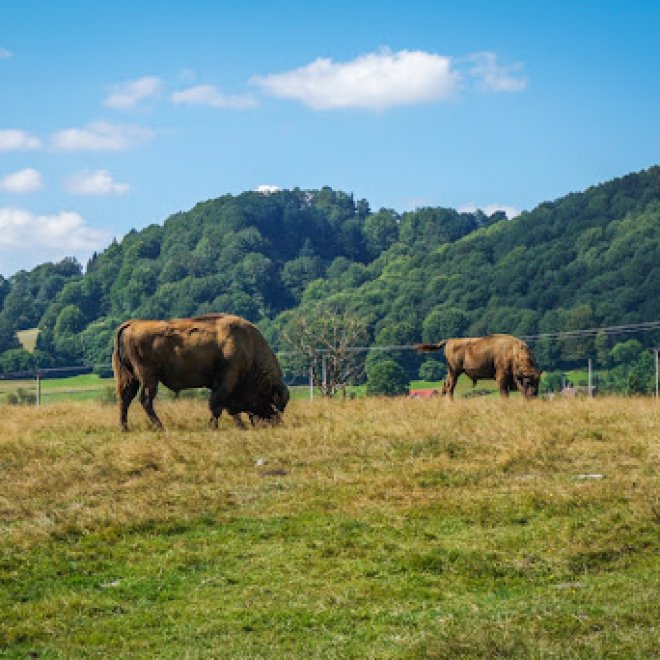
<point>587,260</point>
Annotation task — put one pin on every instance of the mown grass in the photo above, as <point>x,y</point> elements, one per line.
<point>359,528</point>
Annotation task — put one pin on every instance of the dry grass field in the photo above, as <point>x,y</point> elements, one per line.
<point>359,528</point>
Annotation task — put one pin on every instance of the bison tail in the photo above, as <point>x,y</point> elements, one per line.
<point>120,365</point>
<point>429,348</point>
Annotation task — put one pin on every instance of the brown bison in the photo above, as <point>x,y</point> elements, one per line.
<point>225,353</point>
<point>505,358</point>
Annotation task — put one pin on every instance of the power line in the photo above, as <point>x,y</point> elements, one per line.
<point>592,332</point>
<point>612,330</point>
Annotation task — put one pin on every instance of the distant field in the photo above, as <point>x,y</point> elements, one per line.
<point>28,338</point>
<point>92,387</point>
<point>382,528</point>
<point>73,388</point>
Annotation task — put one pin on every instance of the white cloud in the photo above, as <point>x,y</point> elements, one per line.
<point>266,189</point>
<point>51,235</point>
<point>23,181</point>
<point>99,182</point>
<point>211,96</point>
<point>27,239</point>
<point>375,81</point>
<point>16,140</point>
<point>100,136</point>
<point>489,209</point>
<point>129,94</point>
<point>5,54</point>
<point>494,77</point>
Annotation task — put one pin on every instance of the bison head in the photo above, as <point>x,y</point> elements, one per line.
<point>271,404</point>
<point>528,382</point>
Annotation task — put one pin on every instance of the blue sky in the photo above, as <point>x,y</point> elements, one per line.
<point>114,115</point>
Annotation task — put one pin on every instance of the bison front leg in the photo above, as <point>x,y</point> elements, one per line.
<point>220,395</point>
<point>216,406</point>
<point>238,420</point>
<point>126,396</point>
<point>504,384</point>
<point>147,396</point>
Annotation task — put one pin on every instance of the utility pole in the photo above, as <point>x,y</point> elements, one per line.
<point>655,351</point>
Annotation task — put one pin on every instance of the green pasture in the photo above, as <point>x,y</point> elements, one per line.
<point>91,387</point>
<point>388,528</point>
<point>85,387</point>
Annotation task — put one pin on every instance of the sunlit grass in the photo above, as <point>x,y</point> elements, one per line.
<point>358,528</point>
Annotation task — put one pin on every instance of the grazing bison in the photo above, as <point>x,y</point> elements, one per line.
<point>225,353</point>
<point>505,358</point>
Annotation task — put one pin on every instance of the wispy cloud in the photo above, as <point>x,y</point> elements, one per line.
<point>489,209</point>
<point>100,136</point>
<point>495,77</point>
<point>127,95</point>
<point>99,182</point>
<point>16,140</point>
<point>372,81</point>
<point>24,181</point>
<point>23,230</point>
<point>5,54</point>
<point>211,96</point>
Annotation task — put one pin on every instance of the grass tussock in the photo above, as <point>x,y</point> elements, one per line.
<point>368,527</point>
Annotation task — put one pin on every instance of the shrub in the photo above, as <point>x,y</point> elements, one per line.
<point>431,370</point>
<point>22,397</point>
<point>386,377</point>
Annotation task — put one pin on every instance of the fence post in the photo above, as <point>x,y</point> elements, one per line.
<point>38,374</point>
<point>324,376</point>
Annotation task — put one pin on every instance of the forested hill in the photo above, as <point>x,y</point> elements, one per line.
<point>587,260</point>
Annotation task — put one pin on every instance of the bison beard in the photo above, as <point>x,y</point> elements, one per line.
<point>504,358</point>
<point>224,353</point>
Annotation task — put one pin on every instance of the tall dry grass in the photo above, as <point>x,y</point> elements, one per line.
<point>67,470</point>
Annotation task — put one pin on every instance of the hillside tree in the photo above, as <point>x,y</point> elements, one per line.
<point>320,342</point>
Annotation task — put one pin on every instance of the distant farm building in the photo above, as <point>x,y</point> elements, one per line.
<point>423,393</point>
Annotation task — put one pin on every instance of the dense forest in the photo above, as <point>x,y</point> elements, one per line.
<point>587,260</point>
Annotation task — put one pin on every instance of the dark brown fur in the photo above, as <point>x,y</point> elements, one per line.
<point>224,353</point>
<point>504,358</point>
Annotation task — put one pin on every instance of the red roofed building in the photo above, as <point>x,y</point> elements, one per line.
<point>423,394</point>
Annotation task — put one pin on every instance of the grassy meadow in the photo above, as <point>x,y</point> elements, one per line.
<point>359,528</point>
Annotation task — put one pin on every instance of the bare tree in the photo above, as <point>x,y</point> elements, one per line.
<point>322,342</point>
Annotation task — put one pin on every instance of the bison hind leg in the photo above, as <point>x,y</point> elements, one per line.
<point>147,396</point>
<point>449,384</point>
<point>126,396</point>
